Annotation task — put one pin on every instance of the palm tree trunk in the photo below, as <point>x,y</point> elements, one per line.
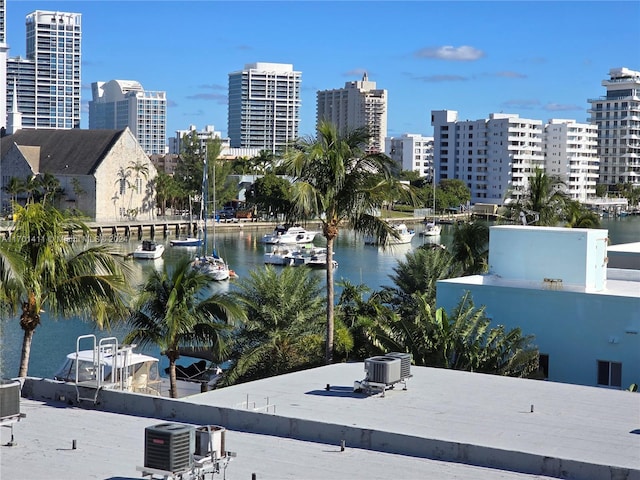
<point>29,320</point>
<point>173,380</point>
<point>26,352</point>
<point>330,300</point>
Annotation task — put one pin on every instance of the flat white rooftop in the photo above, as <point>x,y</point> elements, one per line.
<point>534,426</point>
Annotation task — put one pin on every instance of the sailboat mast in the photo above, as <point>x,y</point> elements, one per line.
<point>205,194</point>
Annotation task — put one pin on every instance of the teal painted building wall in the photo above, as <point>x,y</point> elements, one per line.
<point>553,283</point>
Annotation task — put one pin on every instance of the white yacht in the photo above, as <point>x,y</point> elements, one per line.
<point>289,235</point>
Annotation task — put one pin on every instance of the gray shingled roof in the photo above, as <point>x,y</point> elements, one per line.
<point>71,152</point>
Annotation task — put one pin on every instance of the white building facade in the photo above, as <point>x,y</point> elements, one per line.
<point>48,80</point>
<point>117,104</point>
<point>571,153</point>
<point>554,283</point>
<point>412,152</point>
<point>358,104</point>
<point>4,48</point>
<point>617,115</point>
<point>264,106</point>
<point>492,156</point>
<point>208,133</point>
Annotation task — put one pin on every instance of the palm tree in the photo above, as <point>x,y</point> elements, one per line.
<point>14,188</point>
<point>579,216</point>
<point>419,273</point>
<point>283,330</point>
<point>336,181</point>
<point>45,273</point>
<point>470,247</point>
<point>462,340</point>
<point>136,170</point>
<point>172,311</point>
<point>544,198</point>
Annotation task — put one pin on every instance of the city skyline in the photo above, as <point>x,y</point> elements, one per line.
<point>473,57</point>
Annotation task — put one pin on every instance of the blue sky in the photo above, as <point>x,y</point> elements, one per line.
<point>540,59</point>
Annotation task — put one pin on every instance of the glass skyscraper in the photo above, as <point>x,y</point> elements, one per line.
<point>48,81</point>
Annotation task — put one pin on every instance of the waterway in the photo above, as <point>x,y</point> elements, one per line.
<point>241,247</point>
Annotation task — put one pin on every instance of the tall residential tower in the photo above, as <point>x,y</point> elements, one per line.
<point>47,81</point>
<point>3,66</point>
<point>264,106</point>
<point>617,115</point>
<point>124,103</point>
<point>358,104</point>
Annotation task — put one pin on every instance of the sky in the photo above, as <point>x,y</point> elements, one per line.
<point>540,59</point>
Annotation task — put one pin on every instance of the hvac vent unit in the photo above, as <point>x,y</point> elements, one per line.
<point>169,446</point>
<point>384,370</point>
<point>405,363</point>
<point>9,399</point>
<point>210,441</point>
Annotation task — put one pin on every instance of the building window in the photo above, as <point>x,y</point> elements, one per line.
<point>609,373</point>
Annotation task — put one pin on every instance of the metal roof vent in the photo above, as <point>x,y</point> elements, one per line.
<point>169,446</point>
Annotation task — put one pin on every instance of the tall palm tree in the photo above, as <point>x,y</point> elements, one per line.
<point>283,330</point>
<point>172,311</point>
<point>336,181</point>
<point>41,272</point>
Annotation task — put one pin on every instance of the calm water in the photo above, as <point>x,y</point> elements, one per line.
<point>243,251</point>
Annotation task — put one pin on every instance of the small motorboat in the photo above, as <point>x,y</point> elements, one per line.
<point>186,242</point>
<point>404,235</point>
<point>148,250</point>
<point>109,364</point>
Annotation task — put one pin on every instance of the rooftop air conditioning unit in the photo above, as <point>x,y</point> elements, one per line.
<point>405,363</point>
<point>384,370</point>
<point>169,447</point>
<point>9,398</point>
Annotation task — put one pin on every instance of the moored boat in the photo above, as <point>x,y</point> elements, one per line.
<point>284,234</point>
<point>403,235</point>
<point>105,363</point>
<point>148,250</point>
<point>186,242</point>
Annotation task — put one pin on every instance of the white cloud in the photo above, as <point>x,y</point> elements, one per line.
<point>559,107</point>
<point>463,53</point>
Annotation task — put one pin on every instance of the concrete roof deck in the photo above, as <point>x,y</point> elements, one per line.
<point>573,432</point>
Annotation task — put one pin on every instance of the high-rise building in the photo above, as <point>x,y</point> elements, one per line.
<point>3,66</point>
<point>570,152</point>
<point>359,104</point>
<point>47,81</point>
<point>124,103</point>
<point>412,152</point>
<point>491,156</point>
<point>264,106</point>
<point>617,115</point>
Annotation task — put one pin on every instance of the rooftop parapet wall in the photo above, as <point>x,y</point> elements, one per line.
<point>571,256</point>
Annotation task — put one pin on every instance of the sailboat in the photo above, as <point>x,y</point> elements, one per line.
<point>431,228</point>
<point>210,264</point>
